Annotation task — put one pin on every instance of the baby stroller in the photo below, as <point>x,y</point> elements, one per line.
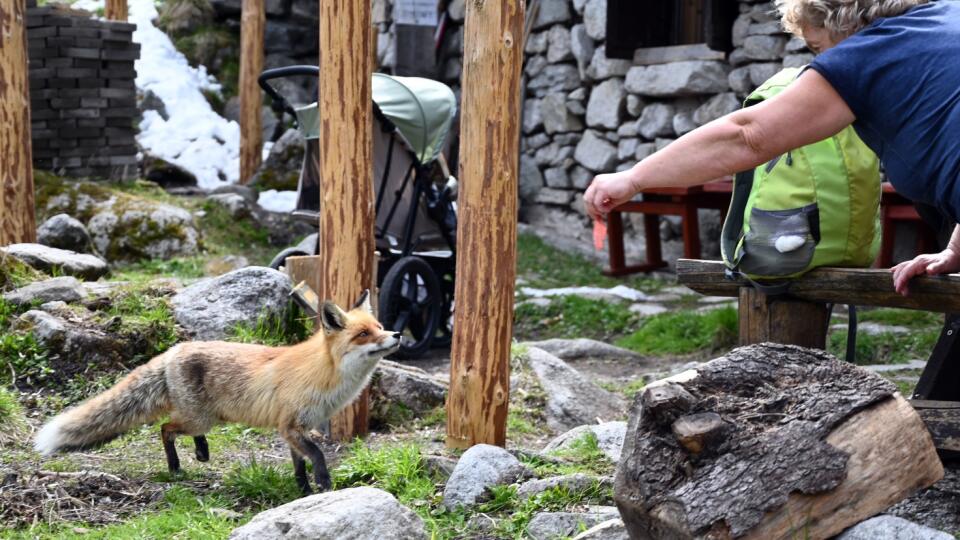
<point>416,216</point>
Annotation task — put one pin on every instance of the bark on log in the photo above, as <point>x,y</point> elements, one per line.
<point>116,10</point>
<point>805,446</point>
<point>252,23</point>
<point>17,220</point>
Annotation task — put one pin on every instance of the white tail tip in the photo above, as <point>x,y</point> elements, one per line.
<point>48,439</point>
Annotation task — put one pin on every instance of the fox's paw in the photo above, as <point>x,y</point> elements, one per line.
<point>323,482</point>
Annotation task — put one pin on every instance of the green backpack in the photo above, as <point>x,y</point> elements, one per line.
<point>818,205</point>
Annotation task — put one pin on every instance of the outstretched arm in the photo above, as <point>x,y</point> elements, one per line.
<point>809,110</point>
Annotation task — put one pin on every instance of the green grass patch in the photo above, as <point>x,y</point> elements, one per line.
<point>22,360</point>
<point>182,515</point>
<point>685,332</point>
<point>886,347</point>
<point>582,455</point>
<point>628,390</point>
<point>14,274</point>
<point>574,317</point>
<point>293,327</point>
<point>264,485</point>
<point>146,270</point>
<point>11,417</point>
<point>225,235</point>
<point>543,266</point>
<point>909,318</point>
<point>145,314</point>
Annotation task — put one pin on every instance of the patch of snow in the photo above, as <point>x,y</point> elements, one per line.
<point>278,201</point>
<point>194,136</point>
<point>620,291</point>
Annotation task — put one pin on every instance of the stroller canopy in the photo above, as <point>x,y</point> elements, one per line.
<point>422,109</point>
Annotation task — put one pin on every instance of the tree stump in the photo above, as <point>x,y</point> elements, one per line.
<point>770,441</point>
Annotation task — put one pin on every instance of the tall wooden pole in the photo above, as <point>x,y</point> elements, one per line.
<point>17,220</point>
<point>252,22</point>
<point>116,10</point>
<point>487,231</point>
<point>346,170</point>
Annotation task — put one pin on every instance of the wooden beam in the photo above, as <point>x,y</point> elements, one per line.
<point>943,421</point>
<point>487,231</point>
<point>17,220</point>
<point>252,23</point>
<point>782,320</point>
<point>116,10</point>
<point>857,286</point>
<point>346,169</point>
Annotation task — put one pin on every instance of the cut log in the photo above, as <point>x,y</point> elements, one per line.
<point>943,420</point>
<point>779,442</point>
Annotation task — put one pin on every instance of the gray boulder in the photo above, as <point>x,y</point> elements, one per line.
<point>678,79</point>
<point>166,173</point>
<point>656,120</point>
<point>130,229</point>
<point>551,525</point>
<point>595,19</point>
<point>409,386</point>
<point>75,342</point>
<point>595,153</point>
<point>716,107</point>
<point>63,289</point>
<point>49,259</point>
<point>552,12</point>
<point>571,482</point>
<point>608,530</point>
<point>609,436</point>
<point>891,527</point>
<point>606,105</point>
<point>556,116</point>
<point>531,179</point>
<point>584,349</point>
<point>479,468</point>
<point>361,513</point>
<point>234,203</point>
<point>210,309</point>
<point>572,399</point>
<point>281,169</point>
<point>64,232</point>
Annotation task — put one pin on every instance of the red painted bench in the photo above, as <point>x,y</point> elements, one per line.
<point>685,202</point>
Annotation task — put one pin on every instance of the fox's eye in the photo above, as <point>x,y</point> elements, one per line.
<point>363,334</point>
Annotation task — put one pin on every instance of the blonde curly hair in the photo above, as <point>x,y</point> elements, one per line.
<point>840,18</point>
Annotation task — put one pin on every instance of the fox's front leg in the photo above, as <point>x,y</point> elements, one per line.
<point>300,446</point>
<point>202,450</point>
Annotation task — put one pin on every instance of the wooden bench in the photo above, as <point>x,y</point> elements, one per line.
<point>685,202</point>
<point>803,316</point>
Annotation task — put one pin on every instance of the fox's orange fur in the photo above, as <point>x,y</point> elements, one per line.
<point>201,384</point>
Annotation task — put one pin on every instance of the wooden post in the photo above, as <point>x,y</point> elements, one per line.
<point>252,22</point>
<point>487,232</point>
<point>792,322</point>
<point>17,220</point>
<point>346,169</point>
<point>116,10</point>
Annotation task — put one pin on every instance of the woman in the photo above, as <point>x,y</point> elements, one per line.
<point>889,67</point>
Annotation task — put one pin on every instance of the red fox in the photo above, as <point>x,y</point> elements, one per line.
<point>200,384</point>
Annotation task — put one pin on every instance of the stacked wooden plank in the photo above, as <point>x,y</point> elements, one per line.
<point>82,93</point>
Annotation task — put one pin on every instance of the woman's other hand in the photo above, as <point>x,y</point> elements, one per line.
<point>607,191</point>
<point>930,264</point>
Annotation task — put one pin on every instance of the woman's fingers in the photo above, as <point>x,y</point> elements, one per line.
<point>903,272</point>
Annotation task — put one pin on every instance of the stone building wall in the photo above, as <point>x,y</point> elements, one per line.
<point>82,94</point>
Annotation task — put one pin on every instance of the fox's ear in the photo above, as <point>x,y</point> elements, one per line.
<point>364,301</point>
<point>332,317</point>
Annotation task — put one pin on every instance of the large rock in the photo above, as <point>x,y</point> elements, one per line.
<point>51,260</point>
<point>552,12</point>
<point>678,79</point>
<point>891,527</point>
<point>716,107</point>
<point>656,120</point>
<point>409,386</point>
<point>740,81</point>
<point>531,179</point>
<point>64,232</point>
<point>606,105</point>
<point>558,44</point>
<point>602,68</point>
<point>572,399</point>
<point>595,19</point>
<point>573,483</point>
<point>236,205</point>
<point>764,47</point>
<point>585,349</point>
<point>759,73</point>
<point>165,173</point>
<point>360,513</point>
<point>551,525</point>
<point>556,77</point>
<point>131,229</point>
<point>479,468</point>
<point>63,289</point>
<point>595,153</point>
<point>210,309</point>
<point>556,116</point>
<point>609,438</point>
<point>532,117</point>
<point>281,169</point>
<point>608,530</point>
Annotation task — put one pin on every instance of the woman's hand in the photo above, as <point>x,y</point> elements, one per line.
<point>930,264</point>
<point>607,191</point>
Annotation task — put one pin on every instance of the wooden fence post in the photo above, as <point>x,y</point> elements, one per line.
<point>782,320</point>
<point>17,220</point>
<point>487,232</point>
<point>252,22</point>
<point>346,170</point>
<point>116,10</point>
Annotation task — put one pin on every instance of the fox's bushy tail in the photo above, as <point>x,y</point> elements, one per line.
<point>139,398</point>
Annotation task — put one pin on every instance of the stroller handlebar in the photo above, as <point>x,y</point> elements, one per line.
<point>279,73</point>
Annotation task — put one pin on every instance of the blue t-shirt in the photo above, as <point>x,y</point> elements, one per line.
<point>901,78</point>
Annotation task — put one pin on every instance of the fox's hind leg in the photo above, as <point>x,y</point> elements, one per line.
<point>202,450</point>
<point>168,434</point>
<point>301,445</point>
<point>300,471</point>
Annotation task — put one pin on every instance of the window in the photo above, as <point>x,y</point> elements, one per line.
<point>635,24</point>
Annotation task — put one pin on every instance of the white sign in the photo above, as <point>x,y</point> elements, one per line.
<point>416,12</point>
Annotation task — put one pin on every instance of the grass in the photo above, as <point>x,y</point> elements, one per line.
<point>11,417</point>
<point>224,235</point>
<point>581,455</point>
<point>143,312</point>
<point>262,484</point>
<point>684,332</point>
<point>628,390</point>
<point>146,270</point>
<point>275,331</point>
<point>574,317</point>
<point>14,274</point>
<point>22,359</point>
<point>543,266</point>
<point>886,347</point>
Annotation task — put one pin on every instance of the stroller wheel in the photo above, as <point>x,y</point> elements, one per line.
<point>411,303</point>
